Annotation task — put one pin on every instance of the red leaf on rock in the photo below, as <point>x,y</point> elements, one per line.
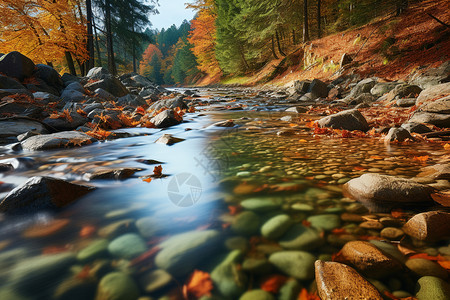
<point>273,283</point>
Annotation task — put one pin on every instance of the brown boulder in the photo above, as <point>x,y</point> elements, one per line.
<point>382,193</point>
<point>429,226</point>
<point>370,260</point>
<point>339,281</point>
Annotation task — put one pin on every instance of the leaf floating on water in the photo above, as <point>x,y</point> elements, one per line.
<point>273,283</point>
<point>87,231</point>
<point>441,198</point>
<point>198,285</point>
<point>147,179</point>
<point>157,171</point>
<point>447,146</point>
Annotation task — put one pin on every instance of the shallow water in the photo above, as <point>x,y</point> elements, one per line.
<point>301,173</point>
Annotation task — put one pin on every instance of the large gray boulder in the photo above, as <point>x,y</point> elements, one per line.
<point>14,64</point>
<point>433,77</point>
<point>40,193</point>
<point>432,93</point>
<point>434,112</point>
<point>382,193</point>
<point>15,127</point>
<point>97,73</point>
<point>165,119</point>
<point>131,100</point>
<point>9,83</point>
<point>50,76</point>
<point>347,120</point>
<point>110,84</point>
<point>364,86</point>
<point>318,89</point>
<point>63,139</point>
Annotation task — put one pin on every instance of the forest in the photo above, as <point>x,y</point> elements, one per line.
<point>226,38</point>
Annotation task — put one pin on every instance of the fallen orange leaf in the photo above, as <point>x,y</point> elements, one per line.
<point>199,285</point>
<point>447,146</point>
<point>157,171</point>
<point>304,295</point>
<point>87,231</point>
<point>303,141</point>
<point>148,179</point>
<point>273,283</point>
<point>445,264</point>
<point>421,158</point>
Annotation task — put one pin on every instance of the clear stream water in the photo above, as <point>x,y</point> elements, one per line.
<point>302,173</point>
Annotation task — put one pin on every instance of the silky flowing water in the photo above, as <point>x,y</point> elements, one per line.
<point>282,168</point>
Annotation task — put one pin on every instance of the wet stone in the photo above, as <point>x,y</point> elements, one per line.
<point>154,280</point>
<point>127,246</point>
<point>425,267</point>
<point>257,295</point>
<point>375,225</point>
<point>430,287</point>
<point>246,223</point>
<point>299,237</point>
<point>117,285</point>
<point>257,266</point>
<point>392,233</point>
<point>325,222</point>
<point>74,289</point>
<point>298,264</point>
<point>276,226</point>
<point>147,226</point>
<point>302,207</point>
<point>117,228</point>
<point>227,276</point>
<point>260,204</point>
<point>96,249</point>
<point>429,226</point>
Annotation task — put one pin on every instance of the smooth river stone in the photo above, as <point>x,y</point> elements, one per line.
<point>298,264</point>
<point>117,286</point>
<point>261,204</point>
<point>370,260</point>
<point>257,295</point>
<point>325,222</point>
<point>276,226</point>
<point>246,223</point>
<point>96,249</point>
<point>127,246</point>
<point>228,277</point>
<point>432,288</point>
<point>425,267</point>
<point>154,280</point>
<point>429,226</point>
<point>339,281</point>
<point>181,253</point>
<point>300,237</point>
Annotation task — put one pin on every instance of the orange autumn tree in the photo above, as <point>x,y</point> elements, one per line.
<point>43,30</point>
<point>203,37</point>
<point>147,56</point>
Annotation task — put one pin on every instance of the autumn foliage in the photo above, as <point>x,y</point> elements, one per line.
<point>43,30</point>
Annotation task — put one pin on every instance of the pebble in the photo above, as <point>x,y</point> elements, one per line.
<point>117,228</point>
<point>432,288</point>
<point>117,286</point>
<point>302,207</point>
<point>298,264</point>
<point>237,243</point>
<point>147,226</point>
<point>392,233</point>
<point>244,174</point>
<point>257,295</point>
<point>246,223</point>
<point>339,281</point>
<point>96,249</point>
<point>429,226</point>
<point>261,204</point>
<point>300,237</point>
<point>325,222</point>
<point>276,226</point>
<point>127,246</point>
<point>375,225</point>
<point>154,280</point>
<point>425,267</point>
<point>228,278</point>
<point>257,266</point>
<point>370,260</point>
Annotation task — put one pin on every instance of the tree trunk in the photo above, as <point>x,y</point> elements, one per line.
<point>305,21</point>
<point>97,44</point>
<point>319,17</point>
<point>244,61</point>
<point>70,64</point>
<point>133,50</point>
<point>273,49</point>
<point>81,65</point>
<point>109,40</point>
<point>90,36</point>
<point>278,43</point>
<point>294,39</point>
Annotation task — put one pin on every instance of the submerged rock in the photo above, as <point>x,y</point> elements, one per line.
<point>117,286</point>
<point>370,260</point>
<point>339,281</point>
<point>42,193</point>
<point>298,264</point>
<point>257,295</point>
<point>399,134</point>
<point>127,246</point>
<point>181,253</point>
<point>382,193</point>
<point>230,281</point>
<point>430,287</point>
<point>429,226</point>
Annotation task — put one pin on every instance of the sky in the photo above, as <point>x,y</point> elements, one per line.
<point>171,12</point>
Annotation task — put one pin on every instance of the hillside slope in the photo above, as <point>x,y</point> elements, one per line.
<point>391,47</point>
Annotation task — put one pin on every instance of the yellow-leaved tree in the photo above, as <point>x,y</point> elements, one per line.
<point>44,30</point>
